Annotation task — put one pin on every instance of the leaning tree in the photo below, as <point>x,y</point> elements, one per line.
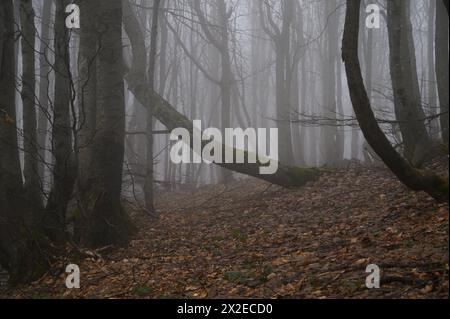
<point>415,179</point>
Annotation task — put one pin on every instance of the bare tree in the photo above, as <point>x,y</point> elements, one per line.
<point>417,180</point>
<point>148,189</point>
<point>441,43</point>
<point>30,171</point>
<point>407,97</point>
<point>103,220</point>
<point>167,114</point>
<point>281,38</point>
<point>64,170</point>
<point>44,85</point>
<point>22,248</point>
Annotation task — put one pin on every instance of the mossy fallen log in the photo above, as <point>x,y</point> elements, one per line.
<point>286,176</point>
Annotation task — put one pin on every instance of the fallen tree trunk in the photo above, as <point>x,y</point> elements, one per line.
<point>417,180</point>
<point>286,176</point>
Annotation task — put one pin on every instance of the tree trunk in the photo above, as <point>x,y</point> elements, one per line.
<point>407,99</point>
<point>64,170</point>
<point>331,152</point>
<point>44,86</point>
<point>415,179</point>
<point>286,175</point>
<point>431,77</point>
<point>441,34</point>
<point>103,220</point>
<point>22,245</point>
<point>148,188</point>
<point>32,180</point>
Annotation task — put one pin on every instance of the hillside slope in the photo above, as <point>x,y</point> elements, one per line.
<point>254,240</point>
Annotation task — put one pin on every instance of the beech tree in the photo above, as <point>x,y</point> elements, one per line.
<point>64,171</point>
<point>405,83</point>
<point>287,176</point>
<point>102,220</point>
<point>23,247</point>
<point>132,73</point>
<point>30,171</point>
<point>281,38</point>
<point>441,44</point>
<point>418,180</point>
<point>44,86</point>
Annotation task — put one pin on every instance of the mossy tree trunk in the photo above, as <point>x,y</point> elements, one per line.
<point>286,176</point>
<point>415,179</point>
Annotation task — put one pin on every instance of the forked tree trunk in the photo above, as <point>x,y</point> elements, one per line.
<point>415,179</point>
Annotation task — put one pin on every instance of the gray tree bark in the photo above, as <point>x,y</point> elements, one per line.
<point>405,83</point>
<point>442,65</point>
<point>431,76</point>
<point>286,175</point>
<point>32,180</point>
<point>103,220</point>
<point>22,245</point>
<point>219,38</point>
<point>148,188</point>
<point>415,179</point>
<point>44,86</point>
<point>64,169</point>
<point>281,37</point>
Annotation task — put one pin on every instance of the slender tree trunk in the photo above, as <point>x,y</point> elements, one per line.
<point>330,142</point>
<point>64,170</point>
<point>442,65</point>
<point>408,104</point>
<point>431,76</point>
<point>22,246</point>
<point>32,180</point>
<point>148,188</point>
<point>340,133</point>
<point>44,86</point>
<point>220,42</point>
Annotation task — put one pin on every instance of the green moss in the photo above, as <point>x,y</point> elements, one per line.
<point>300,176</point>
<point>435,185</point>
<point>444,148</point>
<point>73,215</point>
<point>142,291</point>
<point>233,276</point>
<point>443,186</point>
<point>238,235</point>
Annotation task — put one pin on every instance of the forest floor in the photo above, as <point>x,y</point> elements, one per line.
<point>254,240</point>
